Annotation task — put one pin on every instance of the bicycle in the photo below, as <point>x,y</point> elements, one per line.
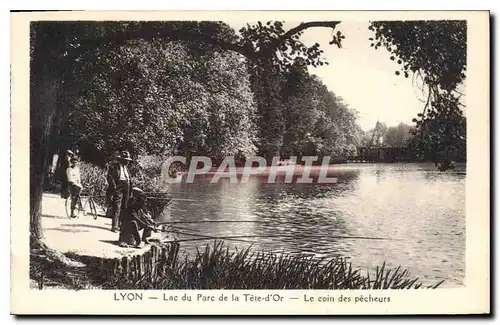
<point>85,205</point>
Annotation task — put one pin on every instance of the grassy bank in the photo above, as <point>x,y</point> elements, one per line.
<point>215,267</point>
<point>51,269</point>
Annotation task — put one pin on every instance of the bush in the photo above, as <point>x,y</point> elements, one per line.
<point>145,174</point>
<point>94,182</point>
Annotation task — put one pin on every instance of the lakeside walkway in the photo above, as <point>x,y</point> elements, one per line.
<point>84,236</point>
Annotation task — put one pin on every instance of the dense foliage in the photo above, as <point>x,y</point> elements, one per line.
<point>435,52</point>
<point>157,98</point>
<point>317,121</point>
<point>398,136</point>
<point>271,51</point>
<point>435,48</point>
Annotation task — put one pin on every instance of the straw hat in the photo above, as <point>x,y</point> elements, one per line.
<point>137,192</point>
<point>125,155</point>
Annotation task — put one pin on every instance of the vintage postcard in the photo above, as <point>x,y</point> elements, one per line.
<point>239,163</point>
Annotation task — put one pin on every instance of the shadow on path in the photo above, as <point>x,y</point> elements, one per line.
<point>113,242</point>
<point>68,229</point>
<point>53,216</point>
<point>85,226</point>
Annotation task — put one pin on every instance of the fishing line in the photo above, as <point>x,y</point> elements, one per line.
<point>203,237</point>
<point>209,221</point>
<point>184,228</point>
<point>282,236</point>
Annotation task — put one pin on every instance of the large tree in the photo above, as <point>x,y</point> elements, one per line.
<point>271,50</point>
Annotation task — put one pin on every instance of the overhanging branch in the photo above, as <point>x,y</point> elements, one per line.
<point>303,26</point>
<point>165,31</point>
<point>297,29</point>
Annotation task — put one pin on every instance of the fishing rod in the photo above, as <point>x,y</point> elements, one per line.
<point>254,236</point>
<point>146,219</point>
<point>183,228</point>
<point>197,239</point>
<point>203,237</point>
<point>210,221</point>
<point>278,236</point>
<point>165,196</point>
<point>187,200</point>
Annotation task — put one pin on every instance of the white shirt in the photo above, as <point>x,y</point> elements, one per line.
<point>123,173</point>
<point>73,174</point>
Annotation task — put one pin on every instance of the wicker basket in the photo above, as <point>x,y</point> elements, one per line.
<point>157,202</point>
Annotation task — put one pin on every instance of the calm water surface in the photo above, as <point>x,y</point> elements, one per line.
<point>420,210</point>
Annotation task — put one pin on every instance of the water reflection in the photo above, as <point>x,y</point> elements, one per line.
<point>420,211</point>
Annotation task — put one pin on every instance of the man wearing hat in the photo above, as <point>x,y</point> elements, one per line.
<point>119,185</point>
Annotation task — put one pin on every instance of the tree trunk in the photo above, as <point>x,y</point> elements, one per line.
<point>43,111</point>
<point>265,85</point>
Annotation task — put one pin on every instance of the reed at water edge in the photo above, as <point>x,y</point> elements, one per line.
<point>216,267</point>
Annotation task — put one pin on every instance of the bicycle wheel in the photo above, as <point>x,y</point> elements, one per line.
<point>88,206</point>
<point>92,207</point>
<point>67,204</point>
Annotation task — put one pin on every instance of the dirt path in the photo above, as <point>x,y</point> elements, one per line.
<point>82,236</point>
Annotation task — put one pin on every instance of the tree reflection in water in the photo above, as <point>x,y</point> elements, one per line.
<point>421,209</point>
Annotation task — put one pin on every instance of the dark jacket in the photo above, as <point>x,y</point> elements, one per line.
<point>113,176</point>
<point>136,211</point>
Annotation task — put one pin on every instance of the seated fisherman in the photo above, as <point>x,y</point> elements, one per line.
<point>134,218</point>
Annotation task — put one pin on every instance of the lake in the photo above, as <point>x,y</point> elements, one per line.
<point>417,211</point>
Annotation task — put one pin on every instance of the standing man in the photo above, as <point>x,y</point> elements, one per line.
<point>74,184</point>
<point>119,185</point>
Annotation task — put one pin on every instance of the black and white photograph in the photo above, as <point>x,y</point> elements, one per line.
<point>276,153</point>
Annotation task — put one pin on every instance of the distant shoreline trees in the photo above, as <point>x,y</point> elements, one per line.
<point>422,145</point>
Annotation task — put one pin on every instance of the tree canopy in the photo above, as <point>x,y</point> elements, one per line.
<point>435,52</point>
<point>156,97</point>
<point>437,49</point>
